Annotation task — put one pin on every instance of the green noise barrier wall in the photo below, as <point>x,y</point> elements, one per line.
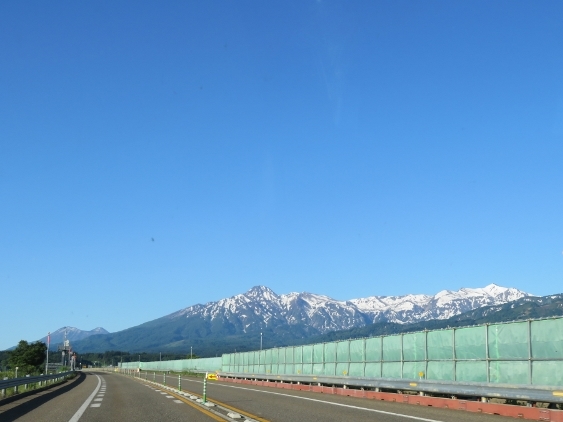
<point>527,352</point>
<point>182,365</point>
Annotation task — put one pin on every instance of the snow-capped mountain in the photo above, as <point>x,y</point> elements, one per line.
<point>236,322</point>
<point>72,334</point>
<point>261,308</point>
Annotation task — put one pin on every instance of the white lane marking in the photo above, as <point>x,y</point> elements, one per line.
<point>96,405</point>
<point>169,397</point>
<point>82,408</point>
<point>98,399</point>
<point>178,401</point>
<point>383,412</point>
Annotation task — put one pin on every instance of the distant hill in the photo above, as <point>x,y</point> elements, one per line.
<point>73,334</point>
<point>236,322</point>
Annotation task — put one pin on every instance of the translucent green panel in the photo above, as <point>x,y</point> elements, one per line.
<point>225,359</point>
<point>298,368</point>
<point>342,369</point>
<point>274,369</point>
<point>262,369</point>
<point>289,368</point>
<point>318,352</point>
<point>547,338</point>
<point>343,351</point>
<point>262,357</point>
<point>245,368</point>
<point>509,372</point>
<point>307,369</point>
<point>357,351</point>
<point>373,370</point>
<point>412,370</point>
<point>289,354</point>
<point>308,354</point>
<point>330,352</point>
<point>373,349</point>
<point>392,348</point>
<point>471,371</point>
<point>281,355</point>
<point>548,373</point>
<point>318,369</point>
<point>508,341</point>
<point>268,359</point>
<point>245,358</point>
<point>275,353</point>
<point>440,345</point>
<point>440,370</point>
<point>329,369</point>
<point>414,346</point>
<point>298,354</point>
<point>268,368</point>
<point>356,370</point>
<point>391,369</point>
<point>470,343</point>
<point>281,369</point>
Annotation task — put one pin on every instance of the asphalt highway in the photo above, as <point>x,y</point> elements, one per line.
<point>108,396</point>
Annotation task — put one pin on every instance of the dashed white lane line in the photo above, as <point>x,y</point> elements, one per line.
<point>169,397</point>
<point>82,408</point>
<point>178,401</point>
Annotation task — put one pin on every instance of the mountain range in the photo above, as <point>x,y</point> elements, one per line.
<point>73,334</point>
<point>237,322</point>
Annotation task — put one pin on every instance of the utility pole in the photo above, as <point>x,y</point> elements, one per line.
<point>260,340</point>
<point>191,354</point>
<point>47,363</point>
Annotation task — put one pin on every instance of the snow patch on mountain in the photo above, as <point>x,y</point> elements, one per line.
<point>261,307</point>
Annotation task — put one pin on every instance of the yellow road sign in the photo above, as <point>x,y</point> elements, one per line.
<point>212,377</point>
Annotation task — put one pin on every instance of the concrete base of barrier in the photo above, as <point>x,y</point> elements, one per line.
<point>521,412</point>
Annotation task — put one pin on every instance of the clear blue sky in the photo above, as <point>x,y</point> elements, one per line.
<point>349,148</point>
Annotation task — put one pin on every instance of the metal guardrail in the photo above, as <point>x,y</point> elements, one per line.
<point>529,393</point>
<point>15,382</point>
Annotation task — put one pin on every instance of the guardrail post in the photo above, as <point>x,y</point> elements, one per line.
<point>179,384</point>
<point>205,388</point>
<point>154,376</point>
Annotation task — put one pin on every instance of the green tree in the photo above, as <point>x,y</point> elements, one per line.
<point>28,356</point>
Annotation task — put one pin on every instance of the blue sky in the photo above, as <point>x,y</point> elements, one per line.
<point>349,148</point>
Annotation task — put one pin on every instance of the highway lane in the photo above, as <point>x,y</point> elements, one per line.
<point>99,396</point>
<point>292,406</point>
<point>56,404</point>
<point>108,396</point>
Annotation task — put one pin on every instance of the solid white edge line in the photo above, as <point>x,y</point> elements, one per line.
<point>85,405</point>
<point>329,402</point>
